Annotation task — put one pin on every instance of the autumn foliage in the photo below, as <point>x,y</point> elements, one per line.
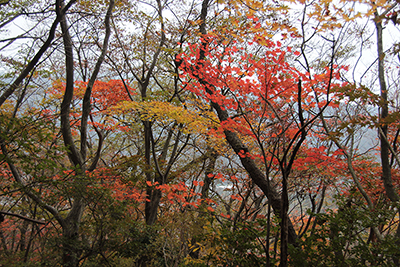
<point>227,133</point>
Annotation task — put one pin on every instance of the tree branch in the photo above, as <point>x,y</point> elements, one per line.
<point>86,107</point>
<point>10,90</point>
<point>21,217</point>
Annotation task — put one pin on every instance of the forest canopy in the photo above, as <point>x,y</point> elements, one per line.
<point>199,133</point>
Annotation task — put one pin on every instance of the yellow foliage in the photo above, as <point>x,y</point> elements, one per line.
<point>194,118</point>
<point>193,121</point>
<point>7,108</point>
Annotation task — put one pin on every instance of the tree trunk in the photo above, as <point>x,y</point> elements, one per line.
<point>153,195</point>
<point>208,179</point>
<point>284,223</point>
<point>151,209</point>
<point>70,243</point>
<point>237,145</point>
<point>384,141</point>
<point>386,168</point>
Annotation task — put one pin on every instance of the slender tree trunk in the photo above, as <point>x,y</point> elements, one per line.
<point>22,241</point>
<point>385,159</point>
<point>284,223</point>
<point>152,206</point>
<point>208,179</point>
<point>153,195</point>
<point>385,145</point>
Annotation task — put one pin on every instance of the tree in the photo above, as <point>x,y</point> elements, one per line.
<point>133,130</point>
<point>78,157</point>
<point>240,102</point>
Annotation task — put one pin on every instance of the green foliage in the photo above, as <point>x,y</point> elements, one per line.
<point>142,245</point>
<point>344,237</point>
<point>233,244</point>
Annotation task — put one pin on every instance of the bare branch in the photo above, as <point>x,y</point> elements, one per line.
<point>21,217</point>
<point>10,90</point>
